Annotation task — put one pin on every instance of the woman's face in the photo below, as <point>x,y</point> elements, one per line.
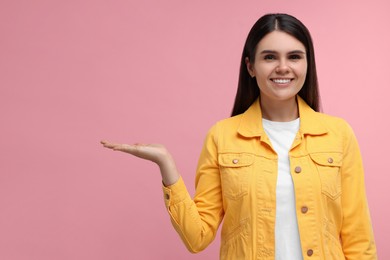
<point>280,67</point>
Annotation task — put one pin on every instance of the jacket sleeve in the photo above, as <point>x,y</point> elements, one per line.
<point>197,220</point>
<point>356,234</point>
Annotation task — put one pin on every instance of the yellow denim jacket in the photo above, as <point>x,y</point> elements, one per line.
<point>236,182</point>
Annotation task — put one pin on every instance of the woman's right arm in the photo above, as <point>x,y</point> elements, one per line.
<point>196,221</point>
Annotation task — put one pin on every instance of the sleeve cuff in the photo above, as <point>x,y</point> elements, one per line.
<point>175,193</point>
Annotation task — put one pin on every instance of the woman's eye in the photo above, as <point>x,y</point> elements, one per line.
<point>269,57</point>
<point>295,57</point>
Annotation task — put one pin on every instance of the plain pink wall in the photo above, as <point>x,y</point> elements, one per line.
<point>75,72</point>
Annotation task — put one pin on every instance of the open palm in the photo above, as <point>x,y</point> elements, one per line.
<point>156,153</point>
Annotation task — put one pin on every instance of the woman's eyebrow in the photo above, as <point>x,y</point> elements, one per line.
<point>297,52</point>
<point>275,52</point>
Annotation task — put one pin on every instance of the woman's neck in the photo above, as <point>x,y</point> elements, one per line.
<point>279,111</point>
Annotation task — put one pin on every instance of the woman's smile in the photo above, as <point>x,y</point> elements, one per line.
<point>282,81</point>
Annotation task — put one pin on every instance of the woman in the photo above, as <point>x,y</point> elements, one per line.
<point>287,180</point>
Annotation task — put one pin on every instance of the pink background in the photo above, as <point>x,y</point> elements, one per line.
<point>75,72</point>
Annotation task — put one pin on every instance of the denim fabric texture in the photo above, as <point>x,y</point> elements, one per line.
<point>236,182</point>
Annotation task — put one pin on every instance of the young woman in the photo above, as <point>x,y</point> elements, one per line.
<point>287,180</point>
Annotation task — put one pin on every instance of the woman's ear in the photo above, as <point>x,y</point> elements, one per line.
<point>249,67</point>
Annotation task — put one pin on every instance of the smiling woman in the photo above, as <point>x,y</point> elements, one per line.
<point>280,70</point>
<point>287,180</point>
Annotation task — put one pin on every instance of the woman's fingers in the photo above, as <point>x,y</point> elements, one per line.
<point>118,147</point>
<point>108,144</point>
<point>152,152</point>
<point>156,153</point>
<point>122,147</point>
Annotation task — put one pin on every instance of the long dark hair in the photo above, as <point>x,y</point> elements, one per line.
<point>248,91</point>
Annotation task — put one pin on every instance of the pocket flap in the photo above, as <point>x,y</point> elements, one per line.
<point>235,159</point>
<point>327,158</point>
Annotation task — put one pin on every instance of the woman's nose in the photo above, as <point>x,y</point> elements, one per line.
<point>282,67</point>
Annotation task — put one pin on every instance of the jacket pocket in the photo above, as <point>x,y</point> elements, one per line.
<point>332,247</point>
<point>328,166</point>
<point>235,169</point>
<point>235,244</point>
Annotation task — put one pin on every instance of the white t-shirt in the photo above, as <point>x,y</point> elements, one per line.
<point>287,241</point>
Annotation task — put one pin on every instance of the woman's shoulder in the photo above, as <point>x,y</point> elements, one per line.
<point>226,125</point>
<point>334,123</point>
<point>230,121</point>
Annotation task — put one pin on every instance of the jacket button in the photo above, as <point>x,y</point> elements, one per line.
<point>330,160</point>
<point>304,209</point>
<point>235,161</point>
<point>298,169</point>
<point>310,252</point>
<point>167,196</point>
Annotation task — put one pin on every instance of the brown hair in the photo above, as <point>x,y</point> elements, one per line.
<point>248,91</point>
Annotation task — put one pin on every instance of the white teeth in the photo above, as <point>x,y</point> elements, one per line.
<point>281,81</point>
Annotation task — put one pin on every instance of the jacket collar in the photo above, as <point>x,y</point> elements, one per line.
<point>310,121</point>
